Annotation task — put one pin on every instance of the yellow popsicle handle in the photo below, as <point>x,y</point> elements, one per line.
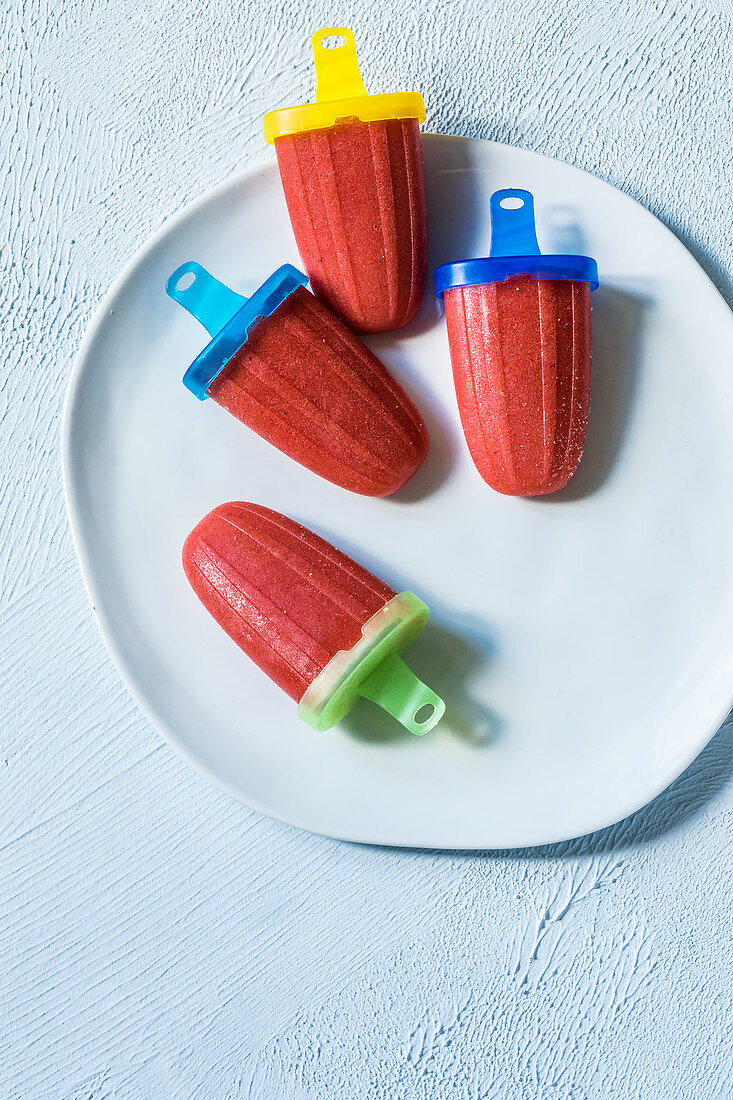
<point>337,67</point>
<point>340,93</point>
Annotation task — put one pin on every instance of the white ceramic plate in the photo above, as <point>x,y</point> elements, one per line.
<point>583,643</point>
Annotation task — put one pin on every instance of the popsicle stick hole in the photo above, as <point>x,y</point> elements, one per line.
<point>186,281</point>
<point>333,42</point>
<point>423,714</point>
<point>511,203</point>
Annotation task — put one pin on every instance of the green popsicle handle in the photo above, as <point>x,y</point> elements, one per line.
<point>396,688</point>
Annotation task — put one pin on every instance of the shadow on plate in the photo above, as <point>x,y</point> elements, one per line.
<point>561,234</point>
<point>701,782</point>
<point>438,465</point>
<point>458,205</point>
<point>445,659</point>
<point>706,777</point>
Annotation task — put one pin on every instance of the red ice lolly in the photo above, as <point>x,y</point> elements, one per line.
<point>351,167</point>
<point>520,343</point>
<point>288,368</point>
<point>322,627</point>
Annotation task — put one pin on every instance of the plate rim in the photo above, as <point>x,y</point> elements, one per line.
<point>148,708</point>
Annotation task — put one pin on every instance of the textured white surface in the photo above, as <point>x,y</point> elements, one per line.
<point>159,940</point>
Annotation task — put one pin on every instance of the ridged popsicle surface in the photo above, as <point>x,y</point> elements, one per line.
<point>356,199</point>
<point>521,353</point>
<point>310,387</point>
<point>287,597</point>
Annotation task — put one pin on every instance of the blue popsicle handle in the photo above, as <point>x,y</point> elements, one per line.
<point>210,302</point>
<point>512,228</point>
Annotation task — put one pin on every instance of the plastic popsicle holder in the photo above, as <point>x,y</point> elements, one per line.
<point>373,669</point>
<point>340,92</point>
<point>226,315</point>
<point>514,250</point>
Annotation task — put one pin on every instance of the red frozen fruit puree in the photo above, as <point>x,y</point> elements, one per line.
<point>520,351</point>
<point>356,198</point>
<point>288,598</point>
<point>310,387</point>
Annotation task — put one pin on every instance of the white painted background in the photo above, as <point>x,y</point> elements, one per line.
<point>158,940</point>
